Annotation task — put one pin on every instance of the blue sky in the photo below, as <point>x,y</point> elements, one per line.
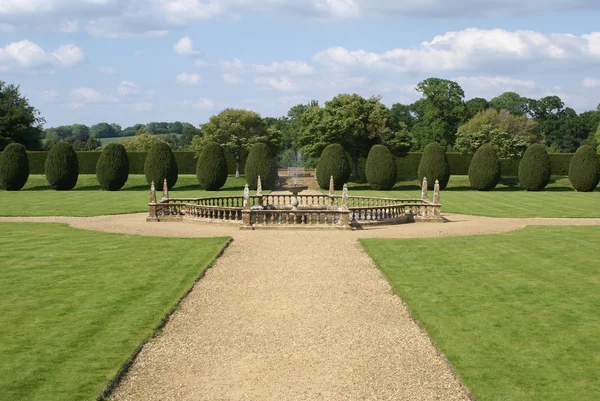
<point>130,61</point>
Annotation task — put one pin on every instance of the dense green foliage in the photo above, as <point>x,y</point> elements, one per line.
<point>530,301</point>
<point>584,169</point>
<point>434,166</point>
<point>535,168</point>
<point>160,164</point>
<point>381,169</point>
<point>19,121</point>
<point>333,162</point>
<point>261,162</point>
<point>112,169</point>
<point>62,167</point>
<point>14,167</point>
<point>484,171</point>
<point>211,168</point>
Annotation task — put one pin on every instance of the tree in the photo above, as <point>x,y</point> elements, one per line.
<point>211,168</point>
<point>401,117</point>
<point>484,170</point>
<point>381,170</point>
<point>160,164</point>
<point>133,130</point>
<point>475,106</point>
<point>439,112</point>
<point>19,121</point>
<point>188,132</point>
<point>261,162</point>
<point>434,166</point>
<point>584,169</point>
<point>62,167</point>
<point>80,131</point>
<point>236,130</point>
<point>140,143</point>
<point>104,130</point>
<point>14,167</point>
<point>112,169</point>
<point>561,127</point>
<point>507,133</point>
<point>512,102</point>
<point>535,168</point>
<point>333,163</point>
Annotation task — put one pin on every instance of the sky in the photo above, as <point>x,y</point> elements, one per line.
<point>137,61</point>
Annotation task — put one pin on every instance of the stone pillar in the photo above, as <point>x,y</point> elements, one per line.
<point>345,197</point>
<point>436,193</point>
<point>258,187</point>
<point>246,203</point>
<point>424,190</point>
<point>152,203</point>
<point>331,187</point>
<point>165,189</point>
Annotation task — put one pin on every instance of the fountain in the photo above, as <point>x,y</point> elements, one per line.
<point>295,189</point>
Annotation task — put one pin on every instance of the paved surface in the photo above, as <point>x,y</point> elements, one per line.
<point>294,315</point>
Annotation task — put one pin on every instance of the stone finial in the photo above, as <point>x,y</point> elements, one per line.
<point>152,193</point>
<point>436,193</point>
<point>258,187</point>
<point>424,190</point>
<point>345,196</point>
<point>246,203</point>
<point>331,187</point>
<point>165,189</point>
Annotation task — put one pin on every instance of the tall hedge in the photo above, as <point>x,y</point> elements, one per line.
<point>261,161</point>
<point>434,165</point>
<point>535,168</point>
<point>211,168</point>
<point>14,167</point>
<point>333,162</point>
<point>112,169</point>
<point>381,168</point>
<point>160,164</point>
<point>584,169</point>
<point>484,171</point>
<point>62,167</point>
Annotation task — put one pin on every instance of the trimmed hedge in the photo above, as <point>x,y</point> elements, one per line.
<point>62,167</point>
<point>584,169</point>
<point>381,168</point>
<point>434,166</point>
<point>484,171</point>
<point>160,165</point>
<point>186,162</point>
<point>14,167</point>
<point>136,162</point>
<point>211,168</point>
<point>261,162</point>
<point>333,162</point>
<point>112,169</point>
<point>535,168</point>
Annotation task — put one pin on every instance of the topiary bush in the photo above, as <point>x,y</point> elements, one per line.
<point>211,168</point>
<point>160,164</point>
<point>333,162</point>
<point>584,169</point>
<point>381,171</point>
<point>62,167</point>
<point>484,170</point>
<point>261,161</point>
<point>112,169</point>
<point>434,165</point>
<point>535,168</point>
<point>14,167</point>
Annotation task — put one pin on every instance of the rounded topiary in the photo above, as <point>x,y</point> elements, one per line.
<point>14,167</point>
<point>535,168</point>
<point>211,168</point>
<point>484,170</point>
<point>261,161</point>
<point>112,169</point>
<point>333,162</point>
<point>160,164</point>
<point>62,167</point>
<point>381,170</point>
<point>434,166</point>
<point>584,169</point>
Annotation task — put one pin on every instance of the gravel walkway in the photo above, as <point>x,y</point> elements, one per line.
<point>293,315</point>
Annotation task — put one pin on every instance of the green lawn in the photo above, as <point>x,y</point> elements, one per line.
<point>88,199</point>
<point>507,200</point>
<point>75,304</point>
<point>517,315</point>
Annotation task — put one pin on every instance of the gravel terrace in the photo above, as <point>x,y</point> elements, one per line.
<point>293,315</point>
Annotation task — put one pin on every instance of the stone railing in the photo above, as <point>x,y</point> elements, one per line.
<point>314,210</point>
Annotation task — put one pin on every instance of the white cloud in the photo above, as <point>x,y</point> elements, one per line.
<point>141,106</point>
<point>495,82</point>
<point>105,70</point>
<point>186,78</point>
<point>185,47</point>
<point>205,104</point>
<point>231,79</point>
<point>69,55</point>
<point>294,68</point>
<point>49,95</point>
<point>281,83</point>
<point>82,96</point>
<point>27,54</point>
<point>127,88</point>
<point>590,83</point>
<point>69,26</point>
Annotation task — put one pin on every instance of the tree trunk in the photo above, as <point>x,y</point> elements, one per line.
<point>355,167</point>
<point>237,167</point>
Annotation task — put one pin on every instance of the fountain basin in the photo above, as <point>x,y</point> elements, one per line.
<point>295,189</point>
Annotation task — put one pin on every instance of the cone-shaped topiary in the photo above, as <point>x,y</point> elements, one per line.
<point>211,168</point>
<point>261,161</point>
<point>381,170</point>
<point>112,169</point>
<point>535,168</point>
<point>434,165</point>
<point>333,162</point>
<point>160,164</point>
<point>14,167</point>
<point>484,170</point>
<point>62,167</point>
<point>584,169</point>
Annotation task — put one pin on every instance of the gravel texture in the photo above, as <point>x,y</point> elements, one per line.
<point>293,315</point>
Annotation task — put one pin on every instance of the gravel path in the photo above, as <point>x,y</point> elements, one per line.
<point>293,315</point>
